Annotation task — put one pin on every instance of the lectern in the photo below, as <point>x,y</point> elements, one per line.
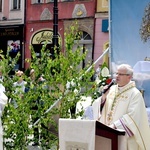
<point>87,135</point>
<point>107,132</point>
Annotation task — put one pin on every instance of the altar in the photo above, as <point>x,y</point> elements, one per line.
<point>89,135</point>
<point>142,67</point>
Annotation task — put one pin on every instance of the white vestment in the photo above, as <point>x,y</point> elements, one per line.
<point>3,102</point>
<point>125,108</point>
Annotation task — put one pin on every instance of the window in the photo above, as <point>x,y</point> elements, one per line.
<point>16,4</point>
<point>84,36</point>
<point>37,1</point>
<point>0,5</point>
<point>84,40</point>
<point>48,1</point>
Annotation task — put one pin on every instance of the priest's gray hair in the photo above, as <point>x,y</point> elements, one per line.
<point>126,67</point>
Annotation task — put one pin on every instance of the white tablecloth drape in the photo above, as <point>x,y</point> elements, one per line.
<point>76,134</point>
<point>142,78</point>
<point>142,67</point>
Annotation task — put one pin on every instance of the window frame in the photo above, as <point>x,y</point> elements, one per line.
<point>1,5</point>
<point>16,4</point>
<point>37,1</point>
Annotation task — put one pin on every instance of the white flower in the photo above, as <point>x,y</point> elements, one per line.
<point>101,88</point>
<point>76,91</point>
<point>103,83</point>
<point>105,72</point>
<point>68,85</point>
<point>97,81</point>
<point>73,84</point>
<point>104,79</point>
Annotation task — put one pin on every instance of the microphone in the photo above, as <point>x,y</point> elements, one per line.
<point>109,85</point>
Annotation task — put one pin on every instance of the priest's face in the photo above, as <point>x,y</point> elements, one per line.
<point>122,78</point>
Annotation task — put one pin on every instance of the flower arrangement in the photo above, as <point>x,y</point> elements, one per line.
<point>102,80</point>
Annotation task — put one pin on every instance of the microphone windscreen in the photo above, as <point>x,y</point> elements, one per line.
<point>109,85</point>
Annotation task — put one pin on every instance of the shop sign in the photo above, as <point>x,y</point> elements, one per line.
<point>43,36</point>
<point>8,32</point>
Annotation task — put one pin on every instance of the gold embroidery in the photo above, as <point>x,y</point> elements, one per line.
<point>114,104</point>
<point>138,131</point>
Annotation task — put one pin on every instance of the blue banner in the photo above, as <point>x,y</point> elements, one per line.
<point>126,45</point>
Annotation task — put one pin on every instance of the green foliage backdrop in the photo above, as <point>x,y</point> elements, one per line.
<point>17,122</point>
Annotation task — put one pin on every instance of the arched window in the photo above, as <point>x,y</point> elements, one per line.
<point>86,42</point>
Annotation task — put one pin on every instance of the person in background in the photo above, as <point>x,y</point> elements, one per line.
<point>97,72</point>
<point>19,85</point>
<point>123,107</point>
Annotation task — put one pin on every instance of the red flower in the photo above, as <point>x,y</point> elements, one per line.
<point>108,80</point>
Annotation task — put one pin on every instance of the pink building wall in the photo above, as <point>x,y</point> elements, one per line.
<point>101,38</point>
<point>14,16</point>
<point>6,11</point>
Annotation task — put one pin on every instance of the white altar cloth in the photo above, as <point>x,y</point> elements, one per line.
<point>81,135</point>
<point>76,134</point>
<point>142,78</point>
<point>142,67</point>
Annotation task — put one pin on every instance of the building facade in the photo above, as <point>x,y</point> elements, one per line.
<point>39,23</point>
<point>101,31</point>
<point>25,23</point>
<point>12,29</point>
